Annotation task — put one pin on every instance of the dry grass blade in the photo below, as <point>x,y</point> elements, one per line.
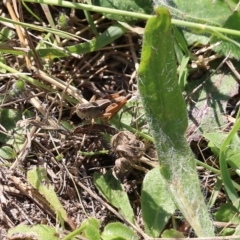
<point>19,30</point>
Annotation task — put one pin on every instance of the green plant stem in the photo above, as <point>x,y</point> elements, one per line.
<point>39,28</point>
<point>146,136</point>
<point>203,27</point>
<point>206,166</point>
<point>215,171</point>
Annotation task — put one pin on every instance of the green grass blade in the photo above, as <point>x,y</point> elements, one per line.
<point>228,184</point>
<point>111,34</point>
<point>91,22</point>
<point>166,110</point>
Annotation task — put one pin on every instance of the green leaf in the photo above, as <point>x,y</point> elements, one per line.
<point>37,177</point>
<point>231,45</point>
<point>172,233</point>
<point>7,153</point>
<point>227,213</point>
<point>6,34</point>
<point>204,11</point>
<point>227,147</point>
<point>18,138</point>
<point>237,230</point>
<point>166,111</point>
<point>91,229</point>
<point>90,221</point>
<point>38,232</point>
<point>156,202</point>
<point>9,118</point>
<point>113,191</point>
<point>118,231</point>
<point>158,71</point>
<point>17,88</point>
<point>233,150</point>
<point>137,6</point>
<point>215,141</point>
<point>6,46</point>
<point>15,136</point>
<point>196,38</point>
<point>228,184</point>
<point>208,103</point>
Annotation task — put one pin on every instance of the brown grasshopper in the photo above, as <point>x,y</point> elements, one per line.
<point>104,108</point>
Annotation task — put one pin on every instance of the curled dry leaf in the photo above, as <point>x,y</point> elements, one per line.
<point>125,144</point>
<point>128,148</point>
<point>122,167</point>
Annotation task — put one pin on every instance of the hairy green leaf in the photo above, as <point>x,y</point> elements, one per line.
<point>166,111</point>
